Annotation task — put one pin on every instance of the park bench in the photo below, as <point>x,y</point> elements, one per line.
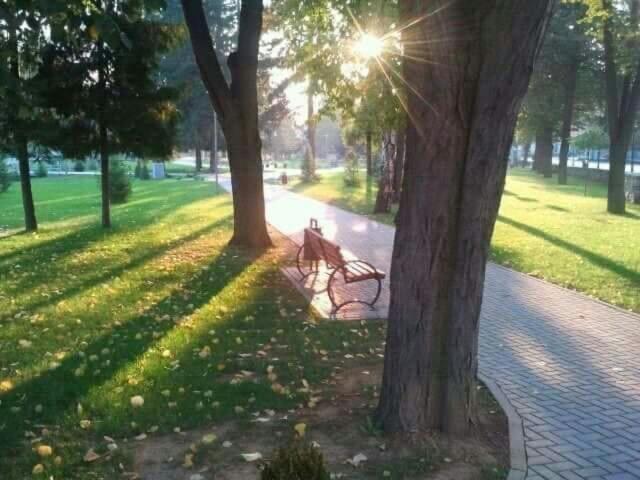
<point>316,248</point>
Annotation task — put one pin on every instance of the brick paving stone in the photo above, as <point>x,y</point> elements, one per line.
<point>568,364</point>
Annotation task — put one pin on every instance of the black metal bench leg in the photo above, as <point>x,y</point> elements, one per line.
<point>336,307</point>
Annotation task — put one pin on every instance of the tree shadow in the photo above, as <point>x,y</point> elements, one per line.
<point>61,388</point>
<point>78,238</point>
<point>519,197</point>
<point>557,209</point>
<point>604,262</point>
<point>83,283</point>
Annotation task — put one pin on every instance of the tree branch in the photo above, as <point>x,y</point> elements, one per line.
<point>206,58</point>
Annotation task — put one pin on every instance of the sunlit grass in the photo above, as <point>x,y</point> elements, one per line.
<point>559,233</point>
<point>159,307</point>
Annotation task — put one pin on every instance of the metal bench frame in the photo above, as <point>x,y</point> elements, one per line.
<point>317,248</point>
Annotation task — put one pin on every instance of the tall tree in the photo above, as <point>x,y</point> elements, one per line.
<point>463,105</point>
<point>622,90</point>
<point>21,36</point>
<point>236,104</point>
<point>103,83</point>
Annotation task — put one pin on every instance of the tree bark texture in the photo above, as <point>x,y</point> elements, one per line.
<point>622,106</point>
<point>385,183</point>
<point>236,106</point>
<point>458,144</point>
<point>369,153</point>
<point>567,118</point>
<point>19,140</point>
<point>398,165</point>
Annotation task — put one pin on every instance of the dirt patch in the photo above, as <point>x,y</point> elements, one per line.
<point>340,426</point>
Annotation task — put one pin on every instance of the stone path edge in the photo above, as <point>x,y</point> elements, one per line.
<point>517,451</point>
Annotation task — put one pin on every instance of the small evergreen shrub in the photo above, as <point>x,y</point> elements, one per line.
<point>5,176</point>
<point>41,170</point>
<point>119,183</point>
<point>351,172</point>
<point>298,461</point>
<point>78,166</point>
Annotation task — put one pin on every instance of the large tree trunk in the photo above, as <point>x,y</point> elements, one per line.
<point>385,184</point>
<point>567,118</point>
<point>369,147</point>
<point>621,108</point>
<point>237,108</point>
<point>546,155</point>
<point>20,142</point>
<point>398,165</point>
<point>455,169</point>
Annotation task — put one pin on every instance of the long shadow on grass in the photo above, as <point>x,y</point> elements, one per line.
<point>604,262</point>
<point>83,283</point>
<point>60,389</point>
<point>78,238</point>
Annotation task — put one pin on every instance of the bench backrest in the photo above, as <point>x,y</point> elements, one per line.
<point>323,248</point>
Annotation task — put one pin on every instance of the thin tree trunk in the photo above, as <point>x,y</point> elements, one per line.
<point>104,177</point>
<point>398,165</point>
<point>369,140</point>
<point>198,154</point>
<point>20,142</point>
<point>547,152</point>
<point>30,222</point>
<point>385,184</point>
<point>567,119</point>
<point>456,161</point>
<point>103,132</point>
<point>311,133</point>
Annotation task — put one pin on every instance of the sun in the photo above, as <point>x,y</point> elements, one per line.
<point>369,46</point>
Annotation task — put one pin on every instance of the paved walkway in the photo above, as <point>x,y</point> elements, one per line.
<point>568,364</point>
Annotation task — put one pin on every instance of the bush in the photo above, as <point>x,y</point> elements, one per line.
<point>78,166</point>
<point>119,183</point>
<point>351,172</point>
<point>41,170</point>
<point>5,177</point>
<point>297,462</point>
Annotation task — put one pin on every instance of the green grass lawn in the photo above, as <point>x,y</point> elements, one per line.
<point>553,232</point>
<point>159,307</point>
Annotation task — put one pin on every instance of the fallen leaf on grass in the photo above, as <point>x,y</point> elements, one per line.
<point>90,456</point>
